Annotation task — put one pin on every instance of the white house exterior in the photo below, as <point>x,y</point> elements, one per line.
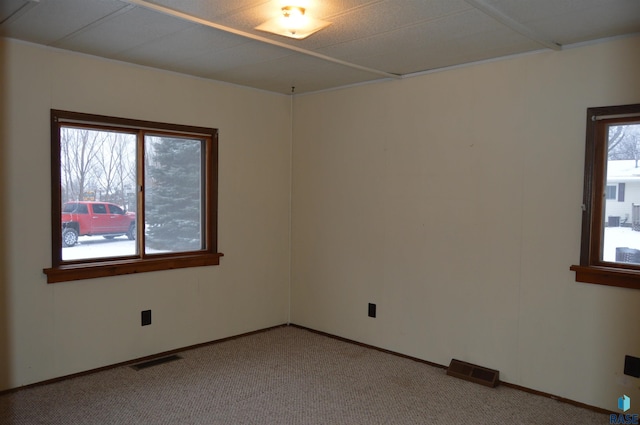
<point>622,192</point>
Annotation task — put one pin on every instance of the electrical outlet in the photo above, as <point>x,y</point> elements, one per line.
<point>632,366</point>
<point>146,317</point>
<point>372,310</point>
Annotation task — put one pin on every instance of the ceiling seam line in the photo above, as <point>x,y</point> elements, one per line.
<point>93,24</point>
<point>185,16</point>
<point>512,24</point>
<point>18,13</point>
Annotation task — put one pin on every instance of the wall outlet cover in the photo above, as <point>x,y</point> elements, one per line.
<point>632,366</point>
<point>146,317</point>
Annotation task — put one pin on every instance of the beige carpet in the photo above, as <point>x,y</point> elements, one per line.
<point>285,375</point>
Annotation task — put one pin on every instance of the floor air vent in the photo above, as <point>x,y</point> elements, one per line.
<point>155,362</point>
<point>470,372</point>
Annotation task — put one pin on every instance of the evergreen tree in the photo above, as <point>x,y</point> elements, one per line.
<point>173,196</point>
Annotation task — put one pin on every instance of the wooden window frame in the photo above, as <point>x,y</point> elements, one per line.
<point>591,268</point>
<point>62,271</point>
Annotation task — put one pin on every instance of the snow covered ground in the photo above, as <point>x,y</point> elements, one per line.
<point>99,247</point>
<point>619,237</point>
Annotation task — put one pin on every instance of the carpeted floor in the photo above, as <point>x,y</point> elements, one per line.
<point>286,375</point>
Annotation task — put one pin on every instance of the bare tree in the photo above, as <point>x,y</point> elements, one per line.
<point>616,136</point>
<point>78,150</point>
<point>97,160</point>
<point>110,166</point>
<point>124,167</point>
<point>624,142</point>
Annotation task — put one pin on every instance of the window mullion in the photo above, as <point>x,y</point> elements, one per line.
<point>140,169</point>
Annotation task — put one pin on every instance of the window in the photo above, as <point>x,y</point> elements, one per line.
<point>130,196</point>
<point>610,247</point>
<point>114,209</point>
<point>99,209</point>
<point>621,188</point>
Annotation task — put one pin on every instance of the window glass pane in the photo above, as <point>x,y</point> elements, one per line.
<point>621,215</point>
<point>97,170</point>
<point>173,194</point>
<point>99,209</point>
<point>114,209</point>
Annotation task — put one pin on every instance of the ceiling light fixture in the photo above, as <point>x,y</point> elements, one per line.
<point>293,23</point>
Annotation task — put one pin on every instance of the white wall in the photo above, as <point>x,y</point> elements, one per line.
<point>48,331</point>
<point>452,201</point>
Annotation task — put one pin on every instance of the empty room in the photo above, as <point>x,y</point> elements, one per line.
<point>416,181</point>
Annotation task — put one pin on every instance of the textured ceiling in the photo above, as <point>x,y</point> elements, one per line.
<point>367,40</point>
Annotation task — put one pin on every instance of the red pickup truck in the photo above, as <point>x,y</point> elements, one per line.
<point>89,218</point>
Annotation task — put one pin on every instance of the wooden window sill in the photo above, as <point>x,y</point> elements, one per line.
<point>69,272</point>
<point>611,276</point>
